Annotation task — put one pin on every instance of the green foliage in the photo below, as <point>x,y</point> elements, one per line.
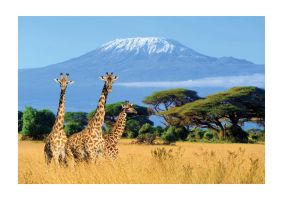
<point>208,135</point>
<point>181,132</point>
<point>73,127</point>
<point>78,117</point>
<point>146,138</point>
<point>146,129</point>
<point>166,99</point>
<point>37,123</point>
<point>146,134</point>
<point>75,122</point>
<point>237,134</point>
<point>217,111</point>
<point>20,121</point>
<point>256,135</point>
<point>29,121</point>
<point>134,122</point>
<point>169,135</point>
<point>192,137</point>
<point>173,97</point>
<point>158,130</point>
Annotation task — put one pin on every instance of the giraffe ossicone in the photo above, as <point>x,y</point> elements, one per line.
<point>54,148</point>
<point>111,139</point>
<point>88,144</point>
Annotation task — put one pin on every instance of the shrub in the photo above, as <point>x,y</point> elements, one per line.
<point>73,127</point>
<point>192,137</point>
<point>208,135</point>
<point>146,129</point>
<point>237,134</point>
<point>37,124</point>
<point>158,131</point>
<point>146,138</point>
<point>181,132</point>
<point>169,135</point>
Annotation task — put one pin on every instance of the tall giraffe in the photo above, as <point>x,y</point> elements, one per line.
<point>88,144</point>
<point>55,143</point>
<point>111,140</point>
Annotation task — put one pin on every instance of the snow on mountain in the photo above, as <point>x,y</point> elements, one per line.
<point>149,46</point>
<point>141,59</point>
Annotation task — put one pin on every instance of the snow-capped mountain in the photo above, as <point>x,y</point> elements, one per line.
<point>141,59</point>
<point>149,46</point>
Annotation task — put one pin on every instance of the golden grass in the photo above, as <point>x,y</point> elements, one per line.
<point>184,163</point>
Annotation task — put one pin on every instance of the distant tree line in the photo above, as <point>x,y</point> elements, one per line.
<point>185,116</point>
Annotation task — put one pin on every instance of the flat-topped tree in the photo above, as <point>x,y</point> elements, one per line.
<point>224,111</point>
<point>166,99</point>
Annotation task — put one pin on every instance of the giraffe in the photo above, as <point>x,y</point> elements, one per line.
<point>55,143</point>
<point>111,140</point>
<point>88,144</point>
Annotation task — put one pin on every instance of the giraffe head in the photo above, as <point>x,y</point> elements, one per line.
<point>109,79</point>
<point>129,107</point>
<point>63,80</point>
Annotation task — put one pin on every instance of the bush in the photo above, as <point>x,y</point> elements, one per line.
<point>237,134</point>
<point>158,131</point>
<point>131,134</point>
<point>169,135</point>
<point>181,132</point>
<point>146,138</point>
<point>208,135</point>
<point>146,129</point>
<point>20,121</point>
<point>37,124</point>
<point>73,127</point>
<point>192,137</point>
<point>256,135</point>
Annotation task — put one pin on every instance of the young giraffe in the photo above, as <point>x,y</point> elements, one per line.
<point>88,144</point>
<point>111,140</point>
<point>55,143</point>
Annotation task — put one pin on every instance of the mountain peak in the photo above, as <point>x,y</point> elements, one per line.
<point>148,45</point>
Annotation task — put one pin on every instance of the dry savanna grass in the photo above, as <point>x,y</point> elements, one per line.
<point>183,163</point>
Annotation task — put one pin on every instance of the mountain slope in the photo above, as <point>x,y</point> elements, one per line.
<point>133,60</point>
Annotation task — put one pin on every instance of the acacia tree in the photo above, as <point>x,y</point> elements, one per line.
<point>224,111</point>
<point>166,99</point>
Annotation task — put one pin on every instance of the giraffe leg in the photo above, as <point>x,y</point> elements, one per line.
<point>69,157</point>
<point>48,158</point>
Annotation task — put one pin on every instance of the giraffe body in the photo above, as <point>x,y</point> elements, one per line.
<point>111,140</point>
<point>88,144</point>
<point>55,143</point>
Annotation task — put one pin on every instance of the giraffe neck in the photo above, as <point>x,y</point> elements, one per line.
<point>59,122</point>
<point>119,126</point>
<point>96,122</point>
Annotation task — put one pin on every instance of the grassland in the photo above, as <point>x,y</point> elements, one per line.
<point>183,163</point>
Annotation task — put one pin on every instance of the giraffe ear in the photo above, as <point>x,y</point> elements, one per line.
<point>101,77</point>
<point>56,80</point>
<point>115,78</point>
<point>71,82</point>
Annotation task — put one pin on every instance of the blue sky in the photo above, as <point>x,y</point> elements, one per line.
<point>49,40</point>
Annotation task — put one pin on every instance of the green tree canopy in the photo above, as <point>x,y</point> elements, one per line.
<point>166,99</point>
<point>75,122</point>
<point>37,123</point>
<point>222,110</point>
<point>20,121</point>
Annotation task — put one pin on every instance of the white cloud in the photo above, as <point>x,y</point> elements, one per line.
<point>220,81</point>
